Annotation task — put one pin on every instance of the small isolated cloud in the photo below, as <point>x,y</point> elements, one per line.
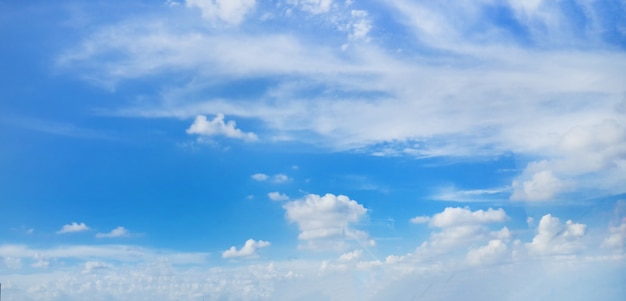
<point>277,196</point>
<point>259,177</point>
<point>554,237</point>
<point>420,220</point>
<point>456,216</point>
<point>248,250</point>
<point>327,217</point>
<point>277,178</point>
<point>73,227</point>
<point>217,127</point>
<point>117,232</point>
<point>228,11</point>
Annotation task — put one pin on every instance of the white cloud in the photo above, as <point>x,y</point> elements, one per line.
<point>277,196</point>
<point>327,217</point>
<point>475,78</point>
<point>617,236</point>
<point>313,6</point>
<point>556,238</point>
<point>456,216</point>
<point>248,250</point>
<point>117,232</point>
<point>73,227</point>
<point>420,220</point>
<point>494,252</point>
<point>360,25</point>
<point>259,177</point>
<point>13,263</point>
<point>229,11</point>
<point>453,194</point>
<point>217,126</point>
<point>351,256</point>
<point>91,266</point>
<point>542,187</point>
<point>461,229</point>
<point>277,178</point>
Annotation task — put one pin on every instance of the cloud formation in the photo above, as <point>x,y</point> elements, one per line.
<point>248,250</point>
<point>277,196</point>
<point>326,218</point>
<point>117,232</point>
<point>217,127</point>
<point>73,227</point>
<point>277,178</point>
<point>554,237</point>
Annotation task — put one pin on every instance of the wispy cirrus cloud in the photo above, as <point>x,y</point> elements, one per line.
<point>455,81</point>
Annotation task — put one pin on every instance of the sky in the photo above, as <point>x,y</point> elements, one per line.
<point>312,150</point>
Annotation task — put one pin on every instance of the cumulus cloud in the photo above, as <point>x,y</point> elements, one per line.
<point>556,238</point>
<point>117,232</point>
<point>217,127</point>
<point>460,229</point>
<point>277,196</point>
<point>229,11</point>
<point>73,227</point>
<point>248,250</point>
<point>328,217</point>
<point>494,252</point>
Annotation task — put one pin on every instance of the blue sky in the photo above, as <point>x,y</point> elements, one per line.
<point>313,150</point>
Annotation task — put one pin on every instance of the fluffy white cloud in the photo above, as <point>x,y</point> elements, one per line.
<point>326,217</point>
<point>461,229</point>
<point>248,250</point>
<point>217,126</point>
<point>229,11</point>
<point>117,232</point>
<point>277,196</point>
<point>556,238</point>
<point>456,216</point>
<point>73,227</point>
<point>494,252</point>
<point>543,186</point>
